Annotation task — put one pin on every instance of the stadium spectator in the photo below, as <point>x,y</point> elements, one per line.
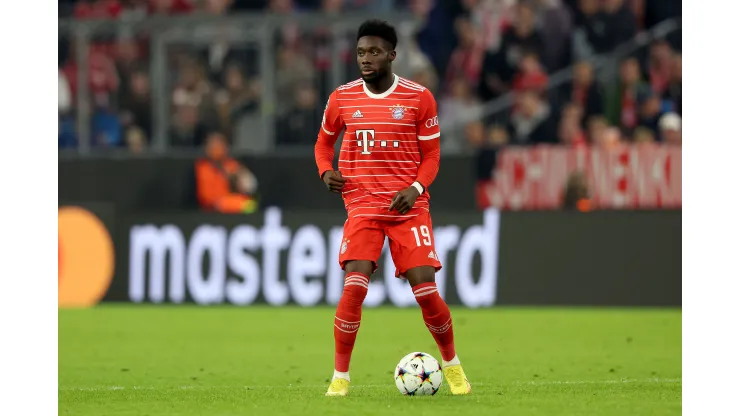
<point>222,183</point>
<point>136,105</point>
<point>103,81</point>
<point>106,129</point>
<point>460,104</point>
<point>533,122</point>
<point>136,140</point>
<point>194,90</point>
<point>128,54</point>
<point>570,131</point>
<point>221,49</point>
<point>499,68</point>
<point>613,25</point>
<point>436,36</point>
<point>300,124</point>
<point>609,138</point>
<point>411,62</point>
<point>531,75</point>
<point>670,129</point>
<point>497,137</point>
<point>478,136</point>
<point>187,129</point>
<point>584,91</point>
<point>650,110</point>
<point>622,105</point>
<point>595,125</point>
<point>643,136</point>
<point>466,60</point>
<point>489,17</point>
<point>660,66</point>
<point>236,98</point>
<point>475,134</point>
<point>293,69</point>
<point>556,24</point>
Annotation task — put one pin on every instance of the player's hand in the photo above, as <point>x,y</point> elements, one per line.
<point>404,200</point>
<point>334,181</point>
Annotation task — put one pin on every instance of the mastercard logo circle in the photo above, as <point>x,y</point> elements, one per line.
<point>86,258</point>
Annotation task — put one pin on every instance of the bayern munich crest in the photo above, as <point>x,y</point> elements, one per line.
<point>398,111</point>
<point>344,246</point>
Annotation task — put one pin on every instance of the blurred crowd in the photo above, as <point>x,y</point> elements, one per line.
<point>467,52</point>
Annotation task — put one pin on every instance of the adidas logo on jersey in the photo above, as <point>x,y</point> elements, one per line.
<point>433,256</point>
<point>357,114</point>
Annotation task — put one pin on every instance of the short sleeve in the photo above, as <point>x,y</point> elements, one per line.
<point>427,123</point>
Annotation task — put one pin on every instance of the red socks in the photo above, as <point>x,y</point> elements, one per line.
<point>347,319</point>
<point>436,315</point>
<point>435,311</point>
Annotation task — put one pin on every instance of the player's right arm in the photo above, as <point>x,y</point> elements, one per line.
<point>331,126</point>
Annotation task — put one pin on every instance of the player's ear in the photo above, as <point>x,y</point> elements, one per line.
<point>392,55</point>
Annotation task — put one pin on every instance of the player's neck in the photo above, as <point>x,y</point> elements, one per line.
<point>381,84</point>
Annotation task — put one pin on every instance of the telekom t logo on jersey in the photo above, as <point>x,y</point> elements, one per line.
<point>366,140</point>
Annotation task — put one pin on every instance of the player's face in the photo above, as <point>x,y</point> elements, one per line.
<point>374,57</point>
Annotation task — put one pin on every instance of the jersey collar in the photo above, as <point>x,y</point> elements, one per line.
<point>388,92</point>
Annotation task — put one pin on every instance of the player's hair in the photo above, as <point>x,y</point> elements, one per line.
<point>378,28</point>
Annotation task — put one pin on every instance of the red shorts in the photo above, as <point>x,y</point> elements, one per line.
<point>411,242</point>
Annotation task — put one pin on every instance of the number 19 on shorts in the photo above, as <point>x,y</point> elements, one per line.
<point>426,238</point>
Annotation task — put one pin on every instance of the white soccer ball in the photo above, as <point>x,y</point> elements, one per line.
<point>418,374</point>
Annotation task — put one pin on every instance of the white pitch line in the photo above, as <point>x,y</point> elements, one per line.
<point>376,386</point>
<point>623,381</point>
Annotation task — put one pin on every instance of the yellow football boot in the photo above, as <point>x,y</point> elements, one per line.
<point>338,387</point>
<point>456,379</point>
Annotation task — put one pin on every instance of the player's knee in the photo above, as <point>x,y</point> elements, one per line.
<point>359,266</point>
<point>419,275</point>
<point>356,286</point>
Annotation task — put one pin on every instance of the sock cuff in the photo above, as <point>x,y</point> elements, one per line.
<point>357,279</point>
<point>424,289</point>
<point>356,275</point>
<point>454,361</point>
<point>341,374</point>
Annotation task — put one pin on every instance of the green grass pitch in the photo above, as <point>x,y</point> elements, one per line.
<point>218,361</point>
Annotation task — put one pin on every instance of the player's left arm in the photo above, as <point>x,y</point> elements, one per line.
<point>427,132</point>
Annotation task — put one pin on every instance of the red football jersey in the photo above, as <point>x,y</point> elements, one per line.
<point>390,141</point>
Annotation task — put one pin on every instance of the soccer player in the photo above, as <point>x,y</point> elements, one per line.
<point>389,157</point>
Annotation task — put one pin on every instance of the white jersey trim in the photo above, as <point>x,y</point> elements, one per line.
<point>385,94</point>
<point>412,85</point>
<point>430,137</point>
<point>350,84</point>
